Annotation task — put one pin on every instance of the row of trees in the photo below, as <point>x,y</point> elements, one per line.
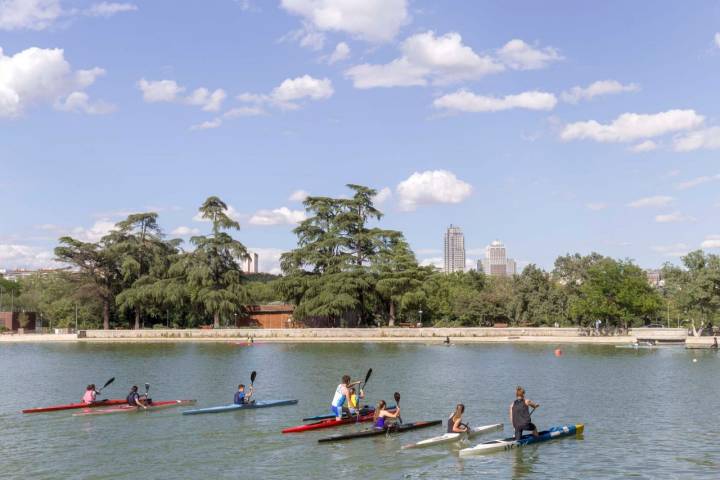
<point>347,271</point>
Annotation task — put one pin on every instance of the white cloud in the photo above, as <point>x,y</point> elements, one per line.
<point>244,112</point>
<point>93,234</point>
<point>656,201</point>
<point>707,138</point>
<point>464,101</point>
<point>596,206</point>
<point>184,231</point>
<point>169,91</point>
<point>291,90</point>
<point>596,89</point>
<point>518,55</point>
<point>436,262</point>
<point>230,212</point>
<point>717,39</point>
<point>430,187</point>
<point>341,52</point>
<point>426,58</point>
<point>36,76</point>
<point>673,250</point>
<point>29,14</point>
<point>697,181</point>
<point>711,241</point>
<point>370,20</point>
<point>25,256</point>
<point>108,9</point>
<point>298,196</point>
<point>382,196</point>
<point>80,102</point>
<point>642,147</point>
<point>633,126</point>
<point>278,216</point>
<point>674,217</point>
<point>208,124</point>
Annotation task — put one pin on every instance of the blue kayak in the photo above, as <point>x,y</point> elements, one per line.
<point>246,406</point>
<point>511,443</point>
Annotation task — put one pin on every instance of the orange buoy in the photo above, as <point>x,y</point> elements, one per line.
<point>558,352</point>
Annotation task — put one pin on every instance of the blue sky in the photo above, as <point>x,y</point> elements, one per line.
<point>555,127</point>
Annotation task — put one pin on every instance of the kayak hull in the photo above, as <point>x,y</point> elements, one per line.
<point>405,427</point>
<point>73,406</point>
<point>330,416</point>
<point>454,437</point>
<point>130,409</point>
<point>511,443</point>
<point>331,423</point>
<point>233,407</point>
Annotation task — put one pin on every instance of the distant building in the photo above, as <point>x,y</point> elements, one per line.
<point>251,263</point>
<point>655,278</point>
<point>496,262</point>
<point>454,250</point>
<point>17,274</point>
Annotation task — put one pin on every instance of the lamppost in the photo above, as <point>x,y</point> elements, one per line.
<point>76,316</point>
<point>420,313</point>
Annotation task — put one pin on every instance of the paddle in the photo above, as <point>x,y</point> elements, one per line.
<point>106,384</point>
<point>253,376</point>
<point>360,389</point>
<point>397,402</point>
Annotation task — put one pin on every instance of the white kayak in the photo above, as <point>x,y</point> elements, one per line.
<point>511,443</point>
<point>454,437</point>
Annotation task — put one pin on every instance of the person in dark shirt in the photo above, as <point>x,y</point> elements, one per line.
<point>520,414</point>
<point>134,399</point>
<point>242,397</point>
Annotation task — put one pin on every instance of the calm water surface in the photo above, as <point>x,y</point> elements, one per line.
<point>648,413</point>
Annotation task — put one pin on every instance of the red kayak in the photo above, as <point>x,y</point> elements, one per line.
<point>130,409</point>
<point>331,423</point>
<point>72,406</point>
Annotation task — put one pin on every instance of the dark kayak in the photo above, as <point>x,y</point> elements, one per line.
<point>405,427</point>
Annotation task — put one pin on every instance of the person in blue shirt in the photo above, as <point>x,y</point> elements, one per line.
<point>242,397</point>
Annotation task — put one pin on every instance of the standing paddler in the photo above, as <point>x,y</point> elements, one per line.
<point>520,414</point>
<point>342,393</point>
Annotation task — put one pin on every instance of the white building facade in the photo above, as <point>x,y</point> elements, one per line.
<point>454,250</point>
<point>251,263</point>
<point>496,262</point>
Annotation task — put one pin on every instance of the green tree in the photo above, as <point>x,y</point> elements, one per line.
<point>694,288</point>
<point>536,299</point>
<point>214,278</point>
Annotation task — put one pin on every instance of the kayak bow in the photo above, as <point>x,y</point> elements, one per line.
<point>131,409</point>
<point>511,443</point>
<point>72,406</point>
<point>405,427</point>
<point>454,437</point>
<point>247,406</point>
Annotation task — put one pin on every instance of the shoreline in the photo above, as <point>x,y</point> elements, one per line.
<point>477,335</point>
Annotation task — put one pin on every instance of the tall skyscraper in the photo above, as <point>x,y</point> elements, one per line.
<point>454,250</point>
<point>496,262</point>
<point>251,263</point>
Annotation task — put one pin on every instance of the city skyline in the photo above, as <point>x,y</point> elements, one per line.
<point>568,130</point>
<point>454,250</point>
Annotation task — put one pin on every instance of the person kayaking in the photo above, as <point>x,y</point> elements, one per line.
<point>520,414</point>
<point>353,401</point>
<point>715,343</point>
<point>134,399</point>
<point>342,393</point>
<point>455,424</point>
<point>382,415</point>
<point>90,395</point>
<point>242,397</point>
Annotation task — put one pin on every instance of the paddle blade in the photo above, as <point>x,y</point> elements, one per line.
<point>253,375</point>
<point>397,397</point>
<point>367,377</point>
<point>108,382</point>
<point>147,388</point>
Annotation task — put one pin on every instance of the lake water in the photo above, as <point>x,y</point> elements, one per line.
<point>647,413</point>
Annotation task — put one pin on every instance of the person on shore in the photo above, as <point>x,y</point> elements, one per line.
<point>520,414</point>
<point>134,399</point>
<point>353,402</point>
<point>455,424</point>
<point>242,397</point>
<point>715,343</point>
<point>90,395</point>
<point>342,393</point>
<point>383,418</point>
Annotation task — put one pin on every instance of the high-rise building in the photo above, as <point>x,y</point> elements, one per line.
<point>496,262</point>
<point>251,263</point>
<point>454,250</point>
